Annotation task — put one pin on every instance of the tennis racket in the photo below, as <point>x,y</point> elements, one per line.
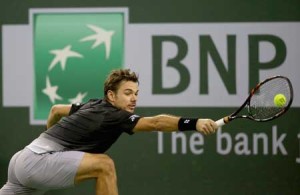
<point>260,105</point>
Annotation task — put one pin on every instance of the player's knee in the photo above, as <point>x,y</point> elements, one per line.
<point>106,165</point>
<point>109,166</point>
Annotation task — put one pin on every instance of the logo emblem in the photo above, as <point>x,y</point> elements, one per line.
<point>186,121</point>
<point>72,53</point>
<point>133,117</point>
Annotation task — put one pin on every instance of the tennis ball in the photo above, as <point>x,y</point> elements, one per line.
<point>279,100</point>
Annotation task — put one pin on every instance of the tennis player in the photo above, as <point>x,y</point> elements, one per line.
<point>73,147</point>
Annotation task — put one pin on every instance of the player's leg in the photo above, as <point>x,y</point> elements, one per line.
<point>37,173</point>
<point>48,171</point>
<point>100,167</point>
<point>13,186</point>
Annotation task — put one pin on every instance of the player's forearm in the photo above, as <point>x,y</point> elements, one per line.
<point>166,123</point>
<point>56,113</point>
<point>162,122</point>
<point>169,123</point>
<point>53,117</point>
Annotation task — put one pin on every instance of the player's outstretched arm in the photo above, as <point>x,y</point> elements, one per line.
<point>57,112</point>
<point>169,123</point>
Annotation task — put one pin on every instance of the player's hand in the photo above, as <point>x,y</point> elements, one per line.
<point>206,126</point>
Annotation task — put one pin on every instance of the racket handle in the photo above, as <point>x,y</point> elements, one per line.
<point>220,122</point>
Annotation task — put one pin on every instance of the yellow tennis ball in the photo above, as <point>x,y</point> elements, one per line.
<point>279,100</point>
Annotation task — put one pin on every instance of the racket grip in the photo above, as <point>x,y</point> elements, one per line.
<point>220,122</point>
<point>223,121</point>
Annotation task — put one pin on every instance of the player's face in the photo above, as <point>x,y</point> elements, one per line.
<point>126,96</point>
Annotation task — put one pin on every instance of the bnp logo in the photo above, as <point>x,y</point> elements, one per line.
<point>72,54</point>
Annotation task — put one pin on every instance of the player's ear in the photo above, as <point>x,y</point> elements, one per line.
<point>111,96</point>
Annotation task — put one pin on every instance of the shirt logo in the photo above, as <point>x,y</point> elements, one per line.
<point>133,117</point>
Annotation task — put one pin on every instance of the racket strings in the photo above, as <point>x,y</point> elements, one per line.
<point>262,102</point>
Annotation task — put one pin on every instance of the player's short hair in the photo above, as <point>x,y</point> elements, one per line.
<point>115,77</point>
